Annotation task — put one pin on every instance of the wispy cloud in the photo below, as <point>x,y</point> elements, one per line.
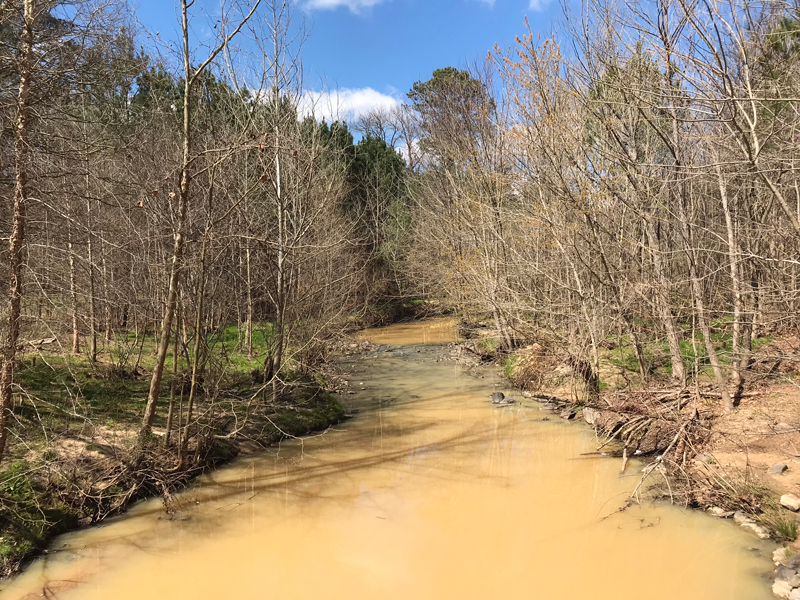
<point>538,5</point>
<point>355,6</point>
<point>344,104</point>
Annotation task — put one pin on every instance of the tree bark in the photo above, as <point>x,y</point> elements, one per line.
<point>16,251</point>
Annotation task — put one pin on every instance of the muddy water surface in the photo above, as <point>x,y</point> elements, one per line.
<point>429,492</point>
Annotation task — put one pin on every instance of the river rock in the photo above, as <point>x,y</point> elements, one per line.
<point>791,502</point>
<point>550,406</point>
<point>567,414</point>
<point>780,555</point>
<point>778,469</point>
<point>793,562</point>
<point>746,522</point>
<point>795,594</point>
<point>781,589</point>
<point>501,398</point>
<point>591,415</point>
<point>716,511</point>
<point>761,532</point>
<point>788,575</point>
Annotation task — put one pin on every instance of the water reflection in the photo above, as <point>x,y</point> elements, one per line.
<point>430,492</point>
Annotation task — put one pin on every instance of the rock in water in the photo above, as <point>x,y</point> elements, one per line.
<point>501,398</point>
<point>788,575</point>
<point>778,469</point>
<point>591,415</point>
<point>780,555</point>
<point>791,502</point>
<point>781,589</point>
<point>744,521</point>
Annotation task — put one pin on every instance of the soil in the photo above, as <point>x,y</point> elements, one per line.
<point>763,431</point>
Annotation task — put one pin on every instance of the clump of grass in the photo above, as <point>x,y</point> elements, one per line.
<point>783,527</point>
<point>509,364</point>
<point>488,345</point>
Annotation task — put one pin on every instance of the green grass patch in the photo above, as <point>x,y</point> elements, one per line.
<point>29,516</point>
<point>509,364</point>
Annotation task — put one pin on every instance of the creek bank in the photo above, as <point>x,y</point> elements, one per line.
<point>85,477</point>
<point>694,454</point>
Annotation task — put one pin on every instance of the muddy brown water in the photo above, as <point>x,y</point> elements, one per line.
<point>429,492</point>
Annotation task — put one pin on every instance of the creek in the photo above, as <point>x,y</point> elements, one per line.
<point>428,492</point>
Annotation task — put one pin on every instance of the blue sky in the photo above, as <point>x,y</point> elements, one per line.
<point>372,51</point>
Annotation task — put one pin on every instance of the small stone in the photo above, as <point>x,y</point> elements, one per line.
<point>780,555</point>
<point>567,414</point>
<point>778,469</point>
<point>795,594</point>
<point>781,589</point>
<point>716,511</point>
<point>501,398</point>
<point>791,502</point>
<point>744,521</point>
<point>761,532</point>
<point>793,562</point>
<point>786,574</point>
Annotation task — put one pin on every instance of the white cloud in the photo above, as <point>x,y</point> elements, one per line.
<point>344,104</point>
<point>355,6</point>
<point>538,5</point>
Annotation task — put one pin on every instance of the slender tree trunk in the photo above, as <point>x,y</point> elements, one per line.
<point>106,299</point>
<point>733,258</point>
<point>280,292</point>
<point>16,250</point>
<point>73,294</point>
<point>92,293</point>
<point>198,337</point>
<point>177,251</point>
<point>699,304</point>
<point>171,410</point>
<point>662,302</point>
<point>248,332</point>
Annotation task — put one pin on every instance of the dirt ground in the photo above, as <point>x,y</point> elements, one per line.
<point>763,431</point>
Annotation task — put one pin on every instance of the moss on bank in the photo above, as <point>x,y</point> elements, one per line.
<point>66,470</point>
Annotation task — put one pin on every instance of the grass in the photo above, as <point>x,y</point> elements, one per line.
<point>656,353</point>
<point>58,393</point>
<point>488,345</point>
<point>509,363</point>
<point>29,513</point>
<point>53,392</point>
<point>783,527</point>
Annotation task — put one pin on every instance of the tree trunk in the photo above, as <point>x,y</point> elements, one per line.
<point>733,258</point>
<point>663,304</point>
<point>73,294</point>
<point>16,250</point>
<point>177,251</point>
